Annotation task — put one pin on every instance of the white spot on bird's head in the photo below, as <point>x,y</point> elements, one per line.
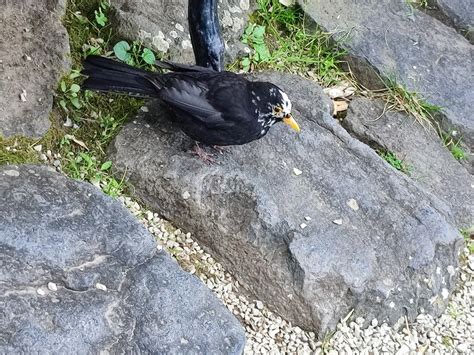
<point>286,105</point>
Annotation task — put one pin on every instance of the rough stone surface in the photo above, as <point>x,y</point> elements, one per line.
<point>459,13</point>
<point>114,291</point>
<point>33,55</point>
<point>163,25</point>
<point>386,259</point>
<point>396,40</point>
<point>431,164</point>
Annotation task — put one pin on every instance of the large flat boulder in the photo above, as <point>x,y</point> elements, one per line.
<point>392,39</point>
<point>350,232</point>
<point>430,164</point>
<point>459,13</point>
<point>79,274</point>
<point>34,53</point>
<point>163,25</point>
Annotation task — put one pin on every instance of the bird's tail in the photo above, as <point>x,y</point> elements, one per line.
<point>105,74</point>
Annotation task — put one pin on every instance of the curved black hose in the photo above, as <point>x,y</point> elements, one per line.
<point>208,45</point>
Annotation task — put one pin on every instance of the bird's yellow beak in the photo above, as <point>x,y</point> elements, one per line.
<point>290,121</point>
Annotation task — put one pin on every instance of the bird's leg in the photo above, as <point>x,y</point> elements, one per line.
<point>202,154</point>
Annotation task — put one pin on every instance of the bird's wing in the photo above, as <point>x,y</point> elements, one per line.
<point>190,96</point>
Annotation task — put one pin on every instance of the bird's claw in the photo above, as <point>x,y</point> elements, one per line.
<point>202,154</point>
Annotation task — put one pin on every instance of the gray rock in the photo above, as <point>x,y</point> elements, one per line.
<point>392,39</point>
<point>115,291</point>
<point>163,25</point>
<point>431,165</point>
<point>459,13</point>
<point>34,54</point>
<point>248,209</point>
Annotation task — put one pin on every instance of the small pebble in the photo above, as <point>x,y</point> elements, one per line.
<point>270,334</point>
<point>353,204</point>
<point>38,147</point>
<point>297,171</point>
<point>40,292</point>
<point>52,286</point>
<point>100,286</point>
<point>303,225</point>
<point>23,95</point>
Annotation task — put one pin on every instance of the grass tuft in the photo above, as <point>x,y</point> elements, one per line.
<point>281,39</point>
<point>394,161</point>
<point>454,145</point>
<point>400,98</point>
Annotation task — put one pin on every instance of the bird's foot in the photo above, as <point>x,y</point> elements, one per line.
<point>202,154</point>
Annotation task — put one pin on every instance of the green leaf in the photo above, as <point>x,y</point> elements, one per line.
<point>63,86</point>
<point>245,62</point>
<point>259,32</point>
<point>100,17</point>
<point>262,52</point>
<point>249,29</point>
<point>121,51</point>
<point>62,103</point>
<point>148,56</point>
<point>75,74</point>
<point>458,153</point>
<point>92,50</point>
<point>106,165</point>
<point>75,88</point>
<point>75,102</point>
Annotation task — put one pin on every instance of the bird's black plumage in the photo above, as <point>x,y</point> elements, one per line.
<point>215,108</point>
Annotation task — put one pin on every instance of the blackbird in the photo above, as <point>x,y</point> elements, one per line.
<point>214,108</point>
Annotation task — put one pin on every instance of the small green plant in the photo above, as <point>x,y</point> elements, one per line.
<point>254,36</point>
<point>453,310</point>
<point>418,4</point>
<point>447,341</point>
<point>468,235</point>
<point>135,55</point>
<point>100,17</point>
<point>394,161</point>
<point>85,166</point>
<point>281,40</point>
<point>402,99</point>
<point>69,96</point>
<point>454,145</point>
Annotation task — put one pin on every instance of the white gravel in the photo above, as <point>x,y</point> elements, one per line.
<point>267,333</point>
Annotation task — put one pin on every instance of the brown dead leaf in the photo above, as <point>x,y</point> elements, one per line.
<point>340,106</point>
<point>77,141</point>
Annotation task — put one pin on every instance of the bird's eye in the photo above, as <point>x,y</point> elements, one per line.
<point>277,109</point>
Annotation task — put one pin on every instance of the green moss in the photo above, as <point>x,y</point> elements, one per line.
<point>18,150</point>
<point>97,118</point>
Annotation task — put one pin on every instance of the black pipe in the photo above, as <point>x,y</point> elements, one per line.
<point>208,45</point>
